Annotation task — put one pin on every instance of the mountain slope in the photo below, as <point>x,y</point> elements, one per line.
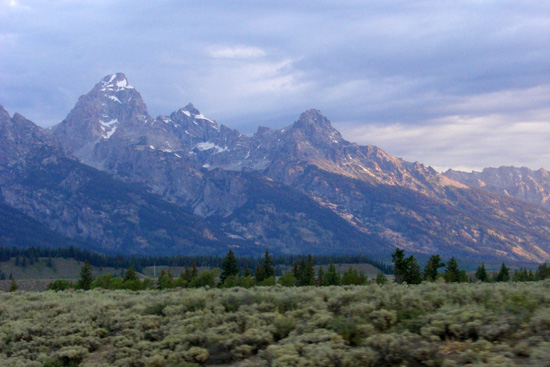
<point>249,185</point>
<point>19,230</point>
<point>520,183</point>
<point>39,178</point>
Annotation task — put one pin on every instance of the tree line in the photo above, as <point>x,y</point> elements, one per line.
<point>229,274</point>
<point>407,270</point>
<point>29,256</point>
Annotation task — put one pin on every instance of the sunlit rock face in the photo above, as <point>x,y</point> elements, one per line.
<point>520,183</point>
<point>299,189</point>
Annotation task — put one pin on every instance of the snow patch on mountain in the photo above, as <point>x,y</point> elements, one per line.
<point>115,99</point>
<point>208,145</point>
<point>117,86</point>
<point>108,127</point>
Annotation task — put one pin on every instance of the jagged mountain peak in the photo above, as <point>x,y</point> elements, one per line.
<point>313,117</point>
<point>19,137</point>
<point>3,113</point>
<point>191,109</point>
<point>190,117</point>
<point>111,104</point>
<point>114,83</point>
<point>315,126</point>
<point>518,182</point>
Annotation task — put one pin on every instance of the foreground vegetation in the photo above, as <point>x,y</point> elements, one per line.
<point>431,324</point>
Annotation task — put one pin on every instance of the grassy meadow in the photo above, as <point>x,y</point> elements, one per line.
<point>431,324</point>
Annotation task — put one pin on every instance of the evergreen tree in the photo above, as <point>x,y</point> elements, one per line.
<point>266,270</point>
<point>194,270</point>
<point>543,272</point>
<point>452,272</point>
<point>520,275</point>
<point>130,274</point>
<point>13,285</point>
<point>400,265</point>
<point>296,271</point>
<point>309,271</point>
<point>406,269</point>
<point>86,276</point>
<point>246,271</point>
<point>267,266</point>
<point>481,273</point>
<point>321,279</point>
<point>229,266</point>
<point>431,270</point>
<point>332,276</point>
<point>353,277</point>
<point>165,280</point>
<point>503,275</point>
<point>258,274</point>
<point>413,274</point>
<point>186,275</point>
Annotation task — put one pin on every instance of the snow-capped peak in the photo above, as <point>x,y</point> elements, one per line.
<point>114,83</point>
<point>194,114</point>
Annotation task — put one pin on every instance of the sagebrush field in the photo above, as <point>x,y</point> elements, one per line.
<point>432,324</point>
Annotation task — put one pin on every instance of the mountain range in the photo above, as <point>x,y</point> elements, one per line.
<point>520,183</point>
<point>115,179</point>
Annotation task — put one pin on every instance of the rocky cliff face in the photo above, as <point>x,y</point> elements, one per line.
<point>41,180</point>
<point>520,183</point>
<point>299,189</point>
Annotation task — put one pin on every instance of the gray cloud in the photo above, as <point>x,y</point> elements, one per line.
<point>451,84</point>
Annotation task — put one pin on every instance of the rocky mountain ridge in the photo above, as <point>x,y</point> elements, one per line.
<point>299,189</point>
<point>517,182</point>
<point>41,180</point>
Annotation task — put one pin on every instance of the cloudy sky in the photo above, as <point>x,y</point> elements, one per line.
<point>461,84</point>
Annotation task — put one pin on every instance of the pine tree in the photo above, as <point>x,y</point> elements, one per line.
<point>481,273</point>
<point>353,277</point>
<point>86,276</point>
<point>321,279</point>
<point>130,274</point>
<point>246,271</point>
<point>431,270</point>
<point>452,273</point>
<point>332,276</point>
<point>267,266</point>
<point>406,269</point>
<point>301,272</point>
<point>309,278</point>
<point>413,274</point>
<point>13,285</point>
<point>266,270</point>
<point>296,271</point>
<point>229,266</point>
<point>165,280</point>
<point>194,270</point>
<point>503,275</point>
<point>186,275</point>
<point>400,265</point>
<point>259,274</point>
